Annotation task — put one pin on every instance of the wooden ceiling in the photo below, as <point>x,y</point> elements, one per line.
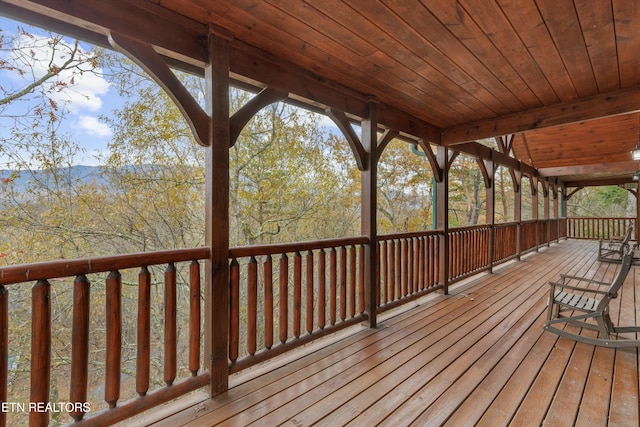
<point>562,75</point>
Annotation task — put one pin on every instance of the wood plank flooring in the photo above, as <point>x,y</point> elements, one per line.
<point>478,356</point>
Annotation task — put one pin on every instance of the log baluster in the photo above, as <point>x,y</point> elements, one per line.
<point>194,317</point>
<point>252,305</point>
<point>114,338</point>
<point>397,259</point>
<point>170,324</point>
<point>343,282</point>
<point>384,273</point>
<point>4,350</point>
<point>297,294</point>
<point>322,290</point>
<point>361,268</point>
<point>80,344</point>
<point>333,285</point>
<point>283,327</point>
<point>391,265</point>
<point>416,265</point>
<point>309,290</point>
<point>234,324</point>
<point>404,268</point>
<point>143,359</point>
<point>267,268</point>
<point>352,281</point>
<point>40,350</point>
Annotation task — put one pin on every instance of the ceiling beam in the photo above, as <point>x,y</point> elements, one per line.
<point>598,182</point>
<point>619,167</point>
<point>622,101</point>
<point>172,34</point>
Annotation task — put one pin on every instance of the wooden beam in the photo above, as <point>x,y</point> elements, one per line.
<point>151,62</point>
<point>438,172</point>
<point>387,136</point>
<point>622,101</point>
<point>343,123</point>
<point>598,182</point>
<point>217,291</point>
<point>254,64</point>
<point>144,21</point>
<point>619,167</point>
<point>368,209</point>
<point>241,117</point>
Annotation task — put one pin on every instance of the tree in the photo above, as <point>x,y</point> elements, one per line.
<point>466,197</point>
<point>404,190</point>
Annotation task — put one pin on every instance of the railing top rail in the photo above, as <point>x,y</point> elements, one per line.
<point>408,235</point>
<point>506,224</point>
<point>280,248</point>
<point>469,228</point>
<point>73,267</point>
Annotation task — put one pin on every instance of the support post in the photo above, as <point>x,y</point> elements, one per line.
<point>534,208</point>
<point>442,215</point>
<point>217,216</point>
<point>517,210</point>
<point>368,206</point>
<point>547,212</point>
<point>490,191</point>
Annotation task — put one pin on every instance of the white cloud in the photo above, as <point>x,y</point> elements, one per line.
<point>79,88</point>
<point>91,126</point>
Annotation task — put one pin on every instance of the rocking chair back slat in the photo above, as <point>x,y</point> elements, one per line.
<point>584,302</point>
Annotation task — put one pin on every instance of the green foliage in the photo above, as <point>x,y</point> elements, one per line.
<point>608,201</point>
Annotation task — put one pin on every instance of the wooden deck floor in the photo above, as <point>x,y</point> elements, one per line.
<point>476,357</point>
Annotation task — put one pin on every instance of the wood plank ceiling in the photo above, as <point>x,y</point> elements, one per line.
<point>562,75</point>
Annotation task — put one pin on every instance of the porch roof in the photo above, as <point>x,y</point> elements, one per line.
<point>561,76</point>
<point>478,355</point>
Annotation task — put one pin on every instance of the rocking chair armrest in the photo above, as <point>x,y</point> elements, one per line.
<point>584,279</point>
<point>577,288</point>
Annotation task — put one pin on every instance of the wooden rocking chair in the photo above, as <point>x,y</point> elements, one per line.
<point>586,303</point>
<point>612,250</point>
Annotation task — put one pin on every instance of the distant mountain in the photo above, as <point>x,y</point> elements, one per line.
<point>21,180</point>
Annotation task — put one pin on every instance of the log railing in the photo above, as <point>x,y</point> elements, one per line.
<point>113,315</point>
<point>283,296</point>
<point>408,267</point>
<point>468,251</point>
<point>599,228</point>
<point>506,242</point>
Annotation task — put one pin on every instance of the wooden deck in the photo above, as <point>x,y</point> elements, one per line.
<point>476,357</point>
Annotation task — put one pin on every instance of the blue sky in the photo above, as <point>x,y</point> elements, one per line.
<point>88,96</point>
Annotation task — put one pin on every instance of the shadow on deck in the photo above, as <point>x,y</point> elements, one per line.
<point>478,356</point>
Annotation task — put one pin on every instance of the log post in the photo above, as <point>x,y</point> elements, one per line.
<point>217,216</point>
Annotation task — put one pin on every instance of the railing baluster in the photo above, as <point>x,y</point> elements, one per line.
<point>297,294</point>
<point>333,285</point>
<point>384,273</point>
<point>343,283</point>
<point>40,350</point>
<point>143,360</point>
<point>170,324</point>
<point>391,263</point>
<point>361,268</point>
<point>283,327</point>
<point>4,350</point>
<point>352,281</point>
<point>194,317</point>
<point>234,324</point>
<point>114,337</point>
<point>322,290</point>
<point>80,344</point>
<point>267,268</point>
<point>310,292</point>
<point>252,305</point>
